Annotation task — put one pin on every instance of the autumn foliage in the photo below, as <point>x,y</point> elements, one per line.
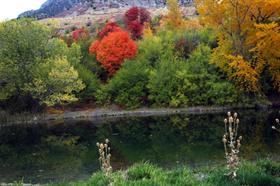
<point>174,18</point>
<point>135,18</point>
<point>248,36</point>
<point>113,49</point>
<point>108,28</point>
<point>80,34</point>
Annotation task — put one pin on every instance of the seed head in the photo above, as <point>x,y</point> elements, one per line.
<point>230,120</point>
<point>273,127</point>
<point>237,121</point>
<point>224,140</point>
<point>235,115</point>
<point>229,114</point>
<point>101,146</point>
<point>225,121</point>
<point>277,120</point>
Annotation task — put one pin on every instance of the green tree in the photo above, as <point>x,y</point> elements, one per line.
<point>30,57</point>
<point>22,45</point>
<point>55,82</point>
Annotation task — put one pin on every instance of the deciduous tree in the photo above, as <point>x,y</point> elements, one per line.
<point>112,50</point>
<point>174,18</point>
<point>249,35</point>
<point>135,18</point>
<point>80,34</point>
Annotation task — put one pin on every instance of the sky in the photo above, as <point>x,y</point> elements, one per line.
<point>10,9</point>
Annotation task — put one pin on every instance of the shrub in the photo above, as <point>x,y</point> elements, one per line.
<point>23,45</point>
<point>134,19</point>
<point>208,86</point>
<point>174,18</point>
<point>137,13</point>
<point>128,86</point>
<point>113,49</point>
<point>150,49</point>
<point>136,29</point>
<point>168,83</point>
<point>55,82</point>
<point>108,28</point>
<point>80,34</point>
<point>74,56</point>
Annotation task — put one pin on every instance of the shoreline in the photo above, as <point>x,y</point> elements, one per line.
<point>106,113</point>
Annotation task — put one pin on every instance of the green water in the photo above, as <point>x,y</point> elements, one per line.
<point>66,151</point>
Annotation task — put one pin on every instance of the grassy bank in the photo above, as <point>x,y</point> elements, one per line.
<point>262,173</point>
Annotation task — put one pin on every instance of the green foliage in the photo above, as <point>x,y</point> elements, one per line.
<point>55,82</point>
<point>128,86</point>
<point>248,174</point>
<point>145,174</point>
<point>150,49</point>
<point>22,46</point>
<point>168,83</point>
<point>207,85</point>
<point>31,63</point>
<point>74,56</point>
<point>99,179</point>
<point>271,168</point>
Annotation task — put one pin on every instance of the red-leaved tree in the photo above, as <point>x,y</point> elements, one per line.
<point>134,19</point>
<point>80,34</point>
<point>113,49</point>
<point>108,28</point>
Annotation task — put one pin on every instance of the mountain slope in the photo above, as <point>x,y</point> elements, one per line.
<point>57,8</point>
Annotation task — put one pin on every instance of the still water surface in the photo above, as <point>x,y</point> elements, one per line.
<point>66,151</point>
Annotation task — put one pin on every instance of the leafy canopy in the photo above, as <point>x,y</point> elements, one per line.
<point>249,35</point>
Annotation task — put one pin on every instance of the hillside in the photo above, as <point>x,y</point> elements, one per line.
<point>63,8</point>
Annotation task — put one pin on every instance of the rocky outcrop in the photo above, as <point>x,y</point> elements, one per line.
<point>56,8</point>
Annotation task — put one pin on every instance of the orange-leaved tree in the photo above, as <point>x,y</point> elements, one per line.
<point>248,36</point>
<point>108,28</point>
<point>113,49</point>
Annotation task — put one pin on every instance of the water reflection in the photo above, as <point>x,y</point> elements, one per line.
<point>67,151</point>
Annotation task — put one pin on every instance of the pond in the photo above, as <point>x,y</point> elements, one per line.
<point>66,151</point>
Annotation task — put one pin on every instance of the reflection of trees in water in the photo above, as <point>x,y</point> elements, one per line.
<point>162,140</point>
<point>165,139</point>
<point>54,159</point>
<point>258,136</point>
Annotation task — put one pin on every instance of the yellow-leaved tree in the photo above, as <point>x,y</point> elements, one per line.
<point>249,39</point>
<point>174,18</point>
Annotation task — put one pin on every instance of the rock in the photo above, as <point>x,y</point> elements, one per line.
<point>63,8</point>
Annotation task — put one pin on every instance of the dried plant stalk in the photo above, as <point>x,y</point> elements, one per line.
<point>232,143</point>
<point>277,125</point>
<point>105,157</point>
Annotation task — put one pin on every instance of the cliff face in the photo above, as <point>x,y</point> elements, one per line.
<point>54,8</point>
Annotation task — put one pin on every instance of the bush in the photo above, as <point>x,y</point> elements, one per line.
<point>128,86</point>
<point>109,28</point>
<point>23,45</point>
<point>209,86</point>
<point>134,19</point>
<point>80,34</point>
<point>74,56</point>
<point>112,50</point>
<point>151,49</point>
<point>55,82</point>
<point>168,83</point>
